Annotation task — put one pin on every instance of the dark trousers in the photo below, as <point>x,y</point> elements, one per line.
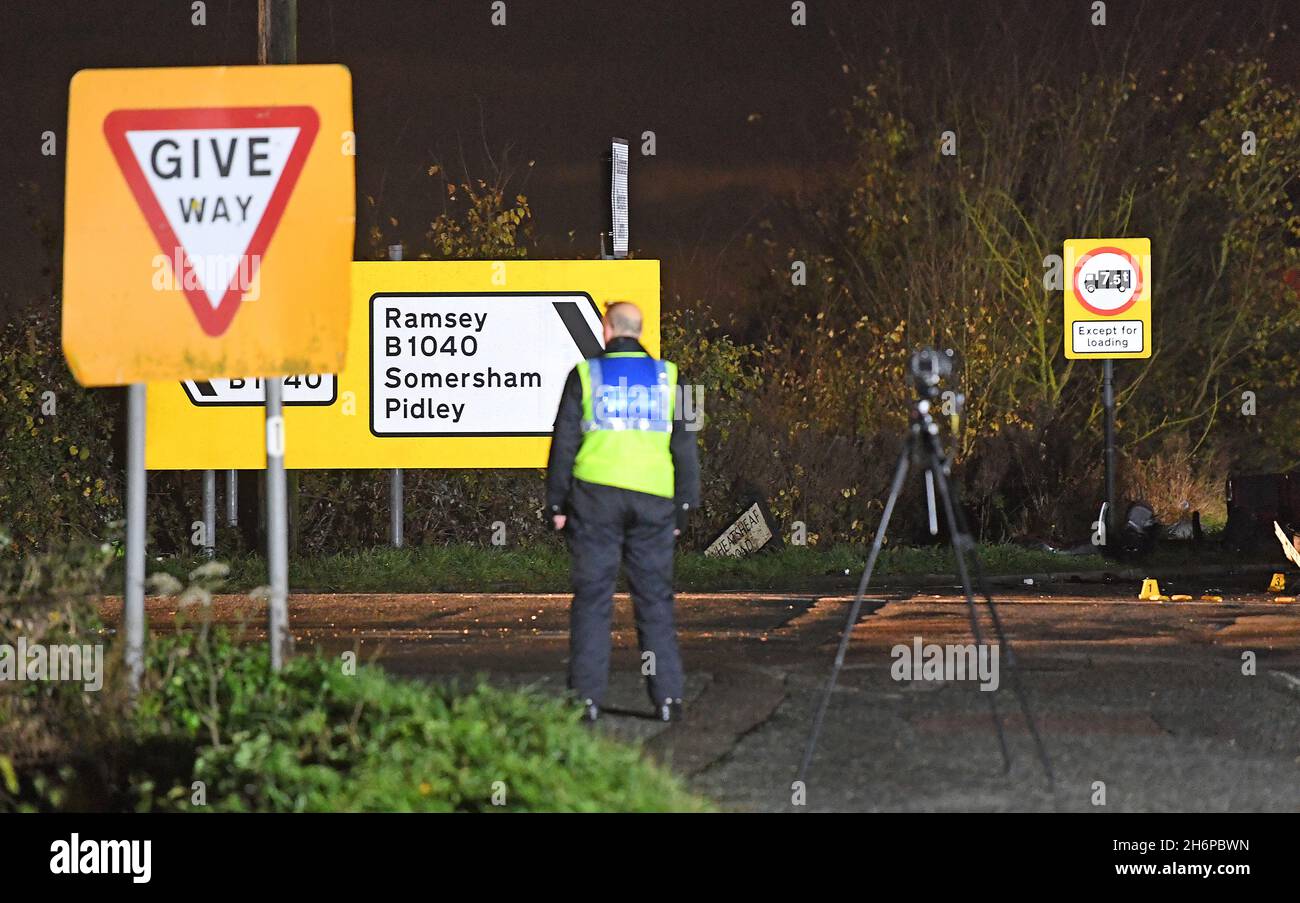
<point>605,526</point>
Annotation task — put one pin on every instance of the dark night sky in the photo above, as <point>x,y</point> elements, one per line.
<point>434,80</point>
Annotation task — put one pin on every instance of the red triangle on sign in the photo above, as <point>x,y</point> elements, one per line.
<point>212,183</point>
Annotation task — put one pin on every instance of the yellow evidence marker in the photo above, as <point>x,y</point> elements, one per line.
<point>1151,592</point>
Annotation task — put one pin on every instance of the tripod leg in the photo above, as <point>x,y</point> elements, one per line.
<point>960,542</point>
<point>959,520</point>
<point>896,488</point>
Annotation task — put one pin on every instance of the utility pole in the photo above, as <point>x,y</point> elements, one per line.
<point>277,32</point>
<point>277,44</point>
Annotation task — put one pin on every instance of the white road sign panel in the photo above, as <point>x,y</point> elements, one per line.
<point>451,364</point>
<point>307,389</point>
<point>1119,336</point>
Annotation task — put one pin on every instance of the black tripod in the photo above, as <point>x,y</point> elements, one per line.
<point>928,368</point>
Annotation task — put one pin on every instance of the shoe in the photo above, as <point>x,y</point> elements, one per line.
<point>670,710</point>
<point>590,711</point>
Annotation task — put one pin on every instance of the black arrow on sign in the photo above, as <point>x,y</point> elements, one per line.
<point>579,331</point>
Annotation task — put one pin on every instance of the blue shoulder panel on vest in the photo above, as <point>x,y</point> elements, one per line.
<point>629,393</point>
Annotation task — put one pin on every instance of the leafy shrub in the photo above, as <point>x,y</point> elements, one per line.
<point>709,357</point>
<point>906,246</point>
<point>49,599</point>
<point>348,510</point>
<point>58,473</point>
<point>313,737</point>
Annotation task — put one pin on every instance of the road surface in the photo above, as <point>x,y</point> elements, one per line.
<point>1151,700</point>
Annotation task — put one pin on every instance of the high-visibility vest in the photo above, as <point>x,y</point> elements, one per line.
<point>627,422</point>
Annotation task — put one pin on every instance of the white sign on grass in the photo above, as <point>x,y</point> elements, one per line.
<point>747,535</point>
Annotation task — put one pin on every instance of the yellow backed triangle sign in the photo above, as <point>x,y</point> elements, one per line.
<point>209,223</point>
<point>1277,584</point>
<point>1150,591</point>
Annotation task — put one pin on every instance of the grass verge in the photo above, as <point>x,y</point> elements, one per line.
<point>469,568</point>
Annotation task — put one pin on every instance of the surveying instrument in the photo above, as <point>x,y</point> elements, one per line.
<point>923,447</point>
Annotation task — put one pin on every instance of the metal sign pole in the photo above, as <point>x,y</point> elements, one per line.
<point>396,505</point>
<point>232,498</point>
<point>277,522</point>
<point>277,22</point>
<point>1108,402</point>
<point>133,596</point>
<point>209,513</point>
<point>396,480</point>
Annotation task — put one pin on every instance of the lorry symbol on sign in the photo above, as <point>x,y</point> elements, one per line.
<point>1107,281</point>
<point>1116,279</point>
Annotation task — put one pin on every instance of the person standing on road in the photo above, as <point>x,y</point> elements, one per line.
<point>622,478</point>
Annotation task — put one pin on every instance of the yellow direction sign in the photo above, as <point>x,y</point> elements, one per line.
<point>208,223</point>
<point>451,364</point>
<point>1107,298</point>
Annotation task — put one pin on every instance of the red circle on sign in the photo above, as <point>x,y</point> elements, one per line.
<point>1137,287</point>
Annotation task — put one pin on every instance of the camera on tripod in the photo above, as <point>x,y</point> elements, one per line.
<point>929,367</point>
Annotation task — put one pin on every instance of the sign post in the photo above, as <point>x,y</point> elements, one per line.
<point>209,223</point>
<point>133,597</point>
<point>1108,317</point>
<point>209,513</point>
<point>277,524</point>
<point>1108,406</point>
<point>232,498</point>
<point>396,480</point>
<point>277,43</point>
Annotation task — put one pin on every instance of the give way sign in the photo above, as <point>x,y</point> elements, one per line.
<point>212,183</point>
<point>209,222</point>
